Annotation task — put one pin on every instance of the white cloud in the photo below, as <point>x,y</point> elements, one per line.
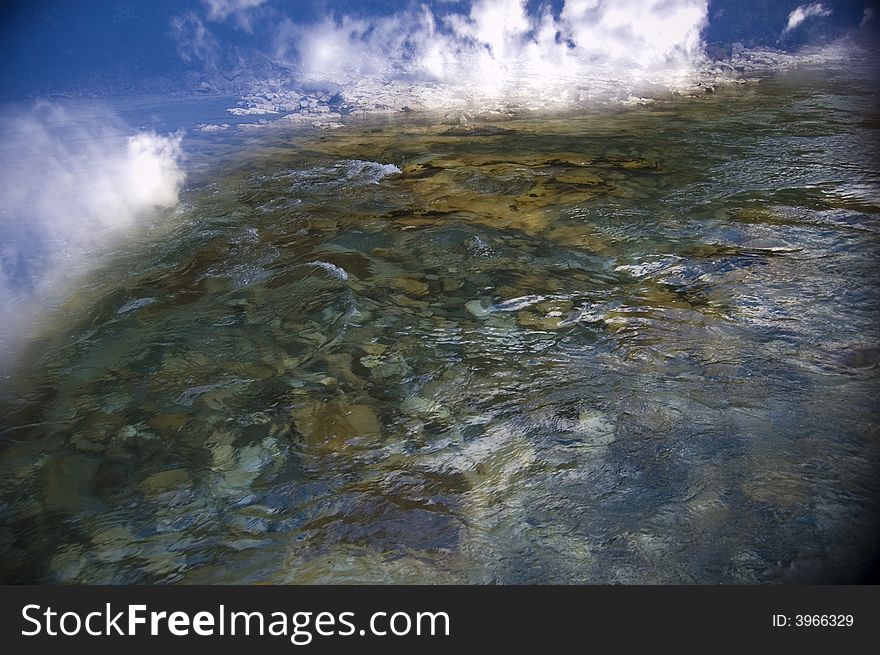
<point>72,182</point>
<point>499,49</point>
<point>646,33</point>
<point>239,10</point>
<point>194,40</point>
<point>802,13</point>
<point>499,24</point>
<point>340,47</point>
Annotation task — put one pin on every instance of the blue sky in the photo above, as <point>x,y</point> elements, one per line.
<point>112,47</point>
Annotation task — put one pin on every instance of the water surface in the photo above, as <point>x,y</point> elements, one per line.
<point>629,345</point>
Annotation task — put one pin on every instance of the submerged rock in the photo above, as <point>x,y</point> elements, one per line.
<point>410,285</point>
<point>114,543</point>
<point>135,433</point>
<point>383,367</point>
<point>85,444</point>
<point>335,424</point>
<point>598,429</point>
<point>374,348</point>
<point>339,366</point>
<point>779,488</point>
<point>168,422</point>
<point>239,467</point>
<point>164,482</point>
<point>96,431</point>
<point>478,309</point>
<point>69,482</point>
<point>68,564</point>
<point>547,315</point>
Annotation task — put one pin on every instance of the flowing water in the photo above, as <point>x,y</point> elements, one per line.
<point>629,345</point>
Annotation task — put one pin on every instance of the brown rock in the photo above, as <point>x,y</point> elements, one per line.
<point>332,425</point>
<point>165,481</point>
<point>168,422</point>
<point>411,286</point>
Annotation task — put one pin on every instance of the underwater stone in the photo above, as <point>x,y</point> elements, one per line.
<point>83,442</point>
<point>547,315</point>
<point>383,367</point>
<point>240,467</point>
<point>597,428</point>
<point>374,348</point>
<point>477,308</point>
<point>779,488</point>
<point>69,481</point>
<point>339,366</point>
<point>708,509</point>
<point>532,320</point>
<point>449,284</point>
<point>165,481</point>
<point>68,563</point>
<point>410,285</point>
<point>252,519</point>
<point>113,544</point>
<point>223,456</point>
<point>135,432</point>
<point>168,422</point>
<point>417,405</point>
<point>255,418</point>
<point>135,304</point>
<point>96,431</point>
<point>335,423</point>
<point>407,305</point>
<point>254,458</point>
<point>162,563</point>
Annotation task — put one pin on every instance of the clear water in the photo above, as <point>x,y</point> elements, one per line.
<point>632,345</point>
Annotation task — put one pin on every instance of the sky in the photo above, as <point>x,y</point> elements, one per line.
<point>123,47</point>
